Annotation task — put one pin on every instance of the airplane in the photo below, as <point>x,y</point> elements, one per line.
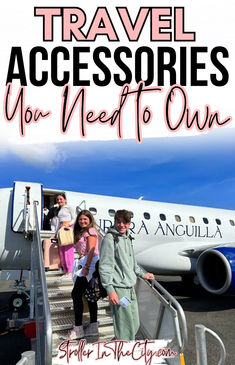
<point>169,239</point>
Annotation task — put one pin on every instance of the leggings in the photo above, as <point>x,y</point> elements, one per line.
<point>79,288</point>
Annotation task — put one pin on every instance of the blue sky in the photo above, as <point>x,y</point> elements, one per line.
<point>189,170</point>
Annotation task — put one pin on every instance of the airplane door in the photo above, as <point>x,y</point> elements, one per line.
<point>24,194</point>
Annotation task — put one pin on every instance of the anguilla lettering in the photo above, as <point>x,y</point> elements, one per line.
<point>187,230</point>
<point>166,229</point>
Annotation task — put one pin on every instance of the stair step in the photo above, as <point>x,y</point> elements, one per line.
<point>62,314</point>
<point>63,305</point>
<point>64,302</point>
<point>58,311</point>
<point>60,285</point>
<point>67,322</point>
<point>106,331</point>
<point>46,234</point>
<point>64,292</point>
<point>52,273</point>
<point>105,334</point>
<point>53,293</point>
<point>62,317</point>
<point>61,300</point>
<point>56,276</point>
<point>55,279</point>
<point>62,323</point>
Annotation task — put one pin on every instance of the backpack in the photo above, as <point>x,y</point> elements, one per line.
<point>95,289</point>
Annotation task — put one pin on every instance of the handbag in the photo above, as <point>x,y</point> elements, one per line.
<point>92,291</point>
<point>95,289</point>
<point>65,236</point>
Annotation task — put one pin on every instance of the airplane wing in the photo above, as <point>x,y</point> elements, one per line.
<point>195,252</point>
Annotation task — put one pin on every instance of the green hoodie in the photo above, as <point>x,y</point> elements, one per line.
<point>118,266</point>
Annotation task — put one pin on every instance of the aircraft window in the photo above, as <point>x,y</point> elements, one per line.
<point>112,212</point>
<point>162,217</point>
<point>177,218</point>
<point>218,221</point>
<point>132,214</point>
<point>93,210</point>
<point>146,215</point>
<point>231,222</point>
<point>205,220</point>
<point>192,219</point>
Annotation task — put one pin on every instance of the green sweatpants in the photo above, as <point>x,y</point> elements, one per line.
<point>126,319</point>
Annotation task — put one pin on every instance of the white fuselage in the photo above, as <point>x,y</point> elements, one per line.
<point>166,235</point>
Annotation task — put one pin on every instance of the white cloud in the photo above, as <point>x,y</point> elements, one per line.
<point>47,155</point>
<point>3,148</point>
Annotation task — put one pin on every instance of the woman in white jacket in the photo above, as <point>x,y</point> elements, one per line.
<point>63,217</point>
<point>66,218</point>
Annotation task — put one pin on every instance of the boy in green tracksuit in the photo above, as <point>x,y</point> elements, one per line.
<point>118,271</point>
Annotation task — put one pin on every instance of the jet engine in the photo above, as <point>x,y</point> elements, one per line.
<point>216,270</point>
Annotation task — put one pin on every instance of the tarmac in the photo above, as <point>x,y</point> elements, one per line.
<point>214,312</point>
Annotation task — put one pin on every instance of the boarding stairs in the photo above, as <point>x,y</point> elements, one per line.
<point>161,316</point>
<point>62,315</point>
<point>159,321</point>
<point>61,308</point>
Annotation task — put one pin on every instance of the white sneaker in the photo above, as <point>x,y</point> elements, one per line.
<point>92,329</point>
<point>76,332</point>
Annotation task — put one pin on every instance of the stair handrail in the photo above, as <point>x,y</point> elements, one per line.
<point>43,320</point>
<point>78,207</point>
<point>172,302</point>
<point>201,352</point>
<point>26,212</point>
